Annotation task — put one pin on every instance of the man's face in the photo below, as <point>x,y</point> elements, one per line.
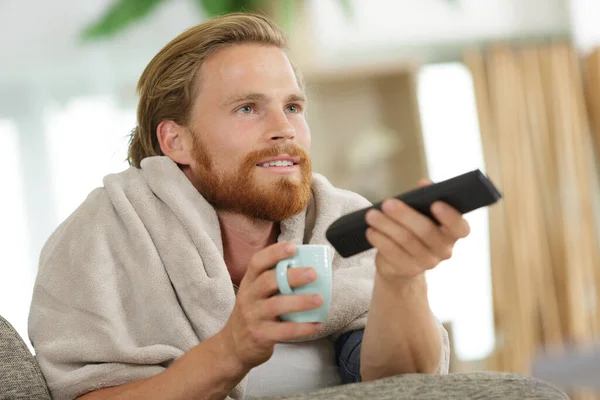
<point>250,134</point>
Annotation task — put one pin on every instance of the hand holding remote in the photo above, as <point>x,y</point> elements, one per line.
<point>464,193</point>
<point>408,242</point>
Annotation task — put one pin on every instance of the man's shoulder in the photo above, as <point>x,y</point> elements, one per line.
<point>101,199</point>
<point>98,208</point>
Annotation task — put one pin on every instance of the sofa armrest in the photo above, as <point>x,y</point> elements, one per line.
<point>20,375</point>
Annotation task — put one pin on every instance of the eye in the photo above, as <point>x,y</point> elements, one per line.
<point>247,109</point>
<point>294,108</point>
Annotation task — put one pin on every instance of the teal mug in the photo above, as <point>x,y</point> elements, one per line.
<point>320,258</point>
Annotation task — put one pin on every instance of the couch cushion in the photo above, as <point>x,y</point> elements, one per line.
<point>20,375</point>
<point>471,386</point>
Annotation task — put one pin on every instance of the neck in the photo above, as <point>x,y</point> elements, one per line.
<point>242,237</point>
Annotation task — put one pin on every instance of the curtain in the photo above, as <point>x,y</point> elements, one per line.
<point>538,148</point>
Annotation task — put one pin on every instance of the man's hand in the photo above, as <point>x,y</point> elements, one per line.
<point>211,369</point>
<point>408,242</point>
<point>253,329</point>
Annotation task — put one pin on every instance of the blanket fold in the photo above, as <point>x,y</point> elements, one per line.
<point>135,278</point>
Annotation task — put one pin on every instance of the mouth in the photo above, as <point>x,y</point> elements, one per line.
<point>284,165</point>
<point>283,161</point>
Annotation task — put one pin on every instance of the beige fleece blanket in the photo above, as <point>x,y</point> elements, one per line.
<point>135,277</point>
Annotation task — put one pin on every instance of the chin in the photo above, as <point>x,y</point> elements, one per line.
<point>295,179</point>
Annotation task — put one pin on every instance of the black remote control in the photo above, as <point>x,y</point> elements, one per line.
<point>466,192</point>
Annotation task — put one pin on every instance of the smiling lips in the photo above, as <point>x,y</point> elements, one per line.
<point>281,163</point>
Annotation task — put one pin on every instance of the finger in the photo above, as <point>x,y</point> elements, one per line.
<point>266,284</point>
<point>275,306</point>
<point>285,331</point>
<point>395,255</point>
<point>455,225</point>
<point>424,182</point>
<point>267,259</point>
<point>420,225</point>
<point>397,233</point>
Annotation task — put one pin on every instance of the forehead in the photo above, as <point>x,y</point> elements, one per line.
<point>247,67</point>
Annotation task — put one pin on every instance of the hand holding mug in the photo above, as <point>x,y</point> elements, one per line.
<point>253,328</point>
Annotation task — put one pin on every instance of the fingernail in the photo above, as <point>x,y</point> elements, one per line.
<point>289,247</point>
<point>316,299</point>
<point>388,205</point>
<point>438,208</point>
<point>371,215</point>
<point>310,274</point>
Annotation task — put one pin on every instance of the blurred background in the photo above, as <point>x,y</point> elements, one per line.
<point>398,90</point>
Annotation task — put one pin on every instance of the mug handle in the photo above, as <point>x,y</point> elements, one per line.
<point>281,272</point>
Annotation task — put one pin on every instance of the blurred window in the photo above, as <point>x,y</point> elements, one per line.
<point>16,274</point>
<point>87,139</point>
<point>460,288</point>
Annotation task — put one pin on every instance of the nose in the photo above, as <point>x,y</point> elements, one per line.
<point>279,128</point>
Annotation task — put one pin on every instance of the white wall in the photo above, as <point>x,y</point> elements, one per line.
<point>585,22</point>
<point>41,42</point>
<point>414,27</point>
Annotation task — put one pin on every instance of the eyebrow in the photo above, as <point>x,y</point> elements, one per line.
<point>294,97</point>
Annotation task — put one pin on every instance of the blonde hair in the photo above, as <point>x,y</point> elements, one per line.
<point>167,87</point>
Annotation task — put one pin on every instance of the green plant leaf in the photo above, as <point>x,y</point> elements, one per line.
<point>220,7</point>
<point>287,14</point>
<point>347,7</point>
<point>123,13</point>
<point>118,16</point>
<point>216,7</point>
<point>249,5</point>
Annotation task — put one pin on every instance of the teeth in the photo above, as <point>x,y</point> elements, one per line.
<point>279,163</point>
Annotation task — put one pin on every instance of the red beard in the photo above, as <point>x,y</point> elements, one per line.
<point>240,192</point>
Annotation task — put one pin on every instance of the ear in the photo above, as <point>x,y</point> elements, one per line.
<point>174,142</point>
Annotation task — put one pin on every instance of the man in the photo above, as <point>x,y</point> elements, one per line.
<point>160,285</point>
